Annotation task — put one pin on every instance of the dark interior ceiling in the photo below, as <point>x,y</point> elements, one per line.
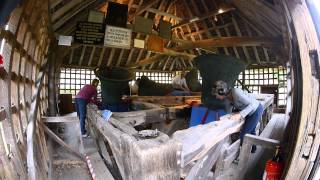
<point>250,30</point>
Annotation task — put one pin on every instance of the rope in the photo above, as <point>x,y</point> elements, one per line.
<point>88,161</point>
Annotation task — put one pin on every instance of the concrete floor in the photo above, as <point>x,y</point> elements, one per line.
<point>67,166</point>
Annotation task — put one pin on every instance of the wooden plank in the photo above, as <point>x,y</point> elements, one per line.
<point>207,30</point>
<point>101,56</point>
<point>143,8</point>
<point>231,41</point>
<point>91,55</point>
<point>166,62</point>
<point>134,155</point>
<point>172,64</point>
<point>62,143</point>
<point>110,134</point>
<point>147,60</point>
<point>60,119</point>
<point>73,12</point>
<point>68,6</point>
<point>111,56</point>
<point>130,56</point>
<point>234,48</point>
<point>256,54</point>
<point>120,57</point>
<point>71,56</point>
<point>151,66</point>
<point>31,127</point>
<point>82,54</point>
<point>123,127</point>
<point>245,152</point>
<point>257,14</point>
<point>228,155</point>
<point>204,165</point>
<point>99,168</point>
<point>261,141</point>
<point>200,18</point>
<point>195,146</point>
<point>159,12</point>
<point>245,50</point>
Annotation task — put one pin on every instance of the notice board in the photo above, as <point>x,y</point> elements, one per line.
<point>117,37</point>
<point>89,33</point>
<point>155,43</point>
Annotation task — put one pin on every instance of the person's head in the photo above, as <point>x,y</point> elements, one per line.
<point>95,82</point>
<point>183,74</point>
<point>138,81</point>
<point>220,90</point>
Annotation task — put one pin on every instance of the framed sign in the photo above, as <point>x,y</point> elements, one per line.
<point>96,16</point>
<point>138,43</point>
<point>155,43</point>
<point>89,33</point>
<point>117,14</point>
<point>117,37</point>
<point>165,29</point>
<point>65,40</point>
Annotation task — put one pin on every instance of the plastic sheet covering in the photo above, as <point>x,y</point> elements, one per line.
<point>151,158</point>
<point>192,80</point>
<point>138,158</point>
<point>148,87</point>
<point>198,140</point>
<point>215,67</point>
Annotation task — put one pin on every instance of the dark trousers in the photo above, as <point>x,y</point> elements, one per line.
<point>81,108</point>
<point>251,122</point>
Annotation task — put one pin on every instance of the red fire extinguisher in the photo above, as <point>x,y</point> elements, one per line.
<point>274,167</point>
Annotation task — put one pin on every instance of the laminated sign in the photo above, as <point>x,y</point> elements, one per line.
<point>89,33</point>
<point>117,37</point>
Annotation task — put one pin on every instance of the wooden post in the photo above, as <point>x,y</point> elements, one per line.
<point>62,143</point>
<point>32,124</point>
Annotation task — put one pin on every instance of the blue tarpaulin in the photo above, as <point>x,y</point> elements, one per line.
<point>201,114</point>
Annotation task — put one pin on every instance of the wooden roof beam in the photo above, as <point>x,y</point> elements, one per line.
<point>230,42</point>
<point>159,12</point>
<point>260,15</point>
<point>62,20</point>
<point>86,4</point>
<point>143,8</point>
<point>200,18</point>
<point>157,57</point>
<point>64,9</point>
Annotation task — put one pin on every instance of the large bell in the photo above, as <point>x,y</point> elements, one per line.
<point>215,67</point>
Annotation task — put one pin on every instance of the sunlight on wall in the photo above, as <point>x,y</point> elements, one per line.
<point>317,4</point>
<point>3,40</point>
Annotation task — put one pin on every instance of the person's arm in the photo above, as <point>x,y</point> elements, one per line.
<point>94,98</point>
<point>250,103</point>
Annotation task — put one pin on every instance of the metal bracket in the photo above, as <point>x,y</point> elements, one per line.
<point>308,146</point>
<point>314,61</point>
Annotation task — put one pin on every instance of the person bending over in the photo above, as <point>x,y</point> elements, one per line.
<point>249,108</point>
<point>88,94</point>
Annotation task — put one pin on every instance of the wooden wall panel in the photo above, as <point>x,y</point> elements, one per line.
<point>25,47</point>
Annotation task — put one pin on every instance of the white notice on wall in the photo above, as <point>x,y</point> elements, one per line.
<point>117,37</point>
<point>65,40</point>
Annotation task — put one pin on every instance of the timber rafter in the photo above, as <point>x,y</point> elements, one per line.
<point>198,27</point>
